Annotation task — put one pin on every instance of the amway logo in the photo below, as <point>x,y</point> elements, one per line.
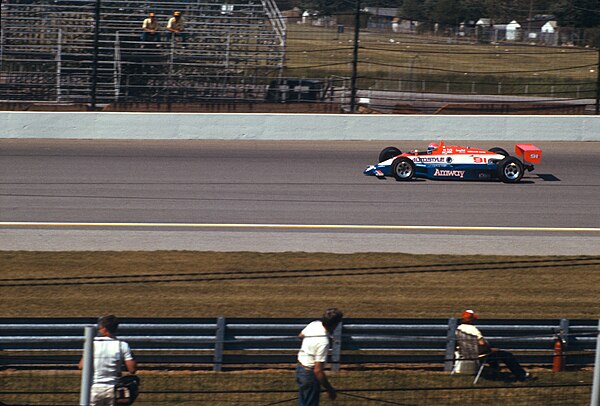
<point>444,172</point>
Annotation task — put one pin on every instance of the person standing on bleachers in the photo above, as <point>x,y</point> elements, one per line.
<point>175,27</point>
<point>150,27</point>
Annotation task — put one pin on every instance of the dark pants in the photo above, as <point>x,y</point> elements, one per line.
<point>182,35</point>
<point>509,360</point>
<point>309,388</point>
<point>149,37</point>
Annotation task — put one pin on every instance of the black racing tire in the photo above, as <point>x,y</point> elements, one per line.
<point>403,169</point>
<point>501,151</point>
<point>510,170</point>
<point>388,152</point>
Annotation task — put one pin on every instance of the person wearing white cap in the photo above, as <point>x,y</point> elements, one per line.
<point>492,355</point>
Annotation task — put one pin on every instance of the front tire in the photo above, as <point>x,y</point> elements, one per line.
<point>389,152</point>
<point>510,170</point>
<point>403,169</point>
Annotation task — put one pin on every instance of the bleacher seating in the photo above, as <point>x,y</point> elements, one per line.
<point>47,51</point>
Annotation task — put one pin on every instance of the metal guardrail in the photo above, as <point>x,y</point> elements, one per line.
<point>219,342</point>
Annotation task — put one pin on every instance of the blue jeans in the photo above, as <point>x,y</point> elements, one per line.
<point>182,35</point>
<point>309,388</point>
<point>149,37</point>
<point>509,360</point>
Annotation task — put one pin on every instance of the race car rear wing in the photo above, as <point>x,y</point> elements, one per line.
<point>529,152</point>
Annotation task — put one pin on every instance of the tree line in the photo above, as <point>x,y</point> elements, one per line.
<point>568,13</point>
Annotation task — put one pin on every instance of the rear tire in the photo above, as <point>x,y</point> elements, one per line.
<point>403,169</point>
<point>388,152</point>
<point>501,151</point>
<point>510,170</point>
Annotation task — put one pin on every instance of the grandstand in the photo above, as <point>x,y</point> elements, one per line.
<point>50,52</point>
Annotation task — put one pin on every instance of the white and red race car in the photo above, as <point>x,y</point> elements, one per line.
<point>454,162</point>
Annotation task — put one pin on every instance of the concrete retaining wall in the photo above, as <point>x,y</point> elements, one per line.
<point>85,125</point>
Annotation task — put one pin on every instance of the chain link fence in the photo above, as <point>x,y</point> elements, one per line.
<point>249,53</point>
<point>356,385</point>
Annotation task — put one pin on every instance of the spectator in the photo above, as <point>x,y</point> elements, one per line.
<point>175,27</point>
<point>492,355</point>
<point>396,24</point>
<point>310,372</point>
<point>109,356</point>
<point>150,27</point>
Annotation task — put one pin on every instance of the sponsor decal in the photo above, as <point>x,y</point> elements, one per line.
<point>449,160</point>
<point>429,159</point>
<point>447,172</point>
<point>461,150</point>
<point>484,176</point>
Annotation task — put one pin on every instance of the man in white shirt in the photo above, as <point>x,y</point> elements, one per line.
<point>492,355</point>
<point>109,356</point>
<point>175,27</point>
<point>150,29</point>
<point>310,372</point>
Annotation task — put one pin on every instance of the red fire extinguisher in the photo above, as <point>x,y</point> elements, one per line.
<point>558,360</point>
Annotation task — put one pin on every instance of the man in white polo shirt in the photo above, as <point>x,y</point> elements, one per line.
<point>110,354</point>
<point>310,372</point>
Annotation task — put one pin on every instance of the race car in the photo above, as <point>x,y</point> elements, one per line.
<point>451,162</point>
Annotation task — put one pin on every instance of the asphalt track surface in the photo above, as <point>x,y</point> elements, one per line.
<point>273,196</point>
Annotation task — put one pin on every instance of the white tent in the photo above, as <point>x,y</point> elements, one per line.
<point>511,30</point>
<point>549,27</point>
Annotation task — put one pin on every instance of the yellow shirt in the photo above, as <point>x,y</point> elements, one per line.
<point>175,24</point>
<point>150,24</point>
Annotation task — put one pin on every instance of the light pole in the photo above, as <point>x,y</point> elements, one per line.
<point>355,59</point>
<point>95,56</point>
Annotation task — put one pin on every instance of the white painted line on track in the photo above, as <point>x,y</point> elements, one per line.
<point>7,224</point>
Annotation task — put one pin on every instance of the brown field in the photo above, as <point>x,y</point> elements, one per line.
<point>244,284</point>
<point>208,284</point>
<point>403,62</point>
<point>272,387</point>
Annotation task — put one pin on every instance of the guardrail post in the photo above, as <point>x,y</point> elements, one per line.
<point>87,375</point>
<point>564,334</point>
<point>450,344</point>
<point>336,350</point>
<point>219,344</point>
<point>596,380</point>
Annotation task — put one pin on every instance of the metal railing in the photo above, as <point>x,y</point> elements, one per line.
<point>114,64</point>
<point>219,342</point>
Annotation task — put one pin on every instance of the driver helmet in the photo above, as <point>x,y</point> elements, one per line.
<point>432,147</point>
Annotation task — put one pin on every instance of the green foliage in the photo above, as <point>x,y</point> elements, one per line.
<point>448,12</point>
<point>569,13</point>
<point>576,13</point>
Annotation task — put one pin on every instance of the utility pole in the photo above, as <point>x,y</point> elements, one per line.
<point>598,84</point>
<point>529,19</point>
<point>355,59</point>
